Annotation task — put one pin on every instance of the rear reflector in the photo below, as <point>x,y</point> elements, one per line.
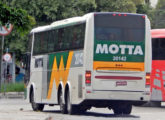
<point>88,77</point>
<point>148,78</point>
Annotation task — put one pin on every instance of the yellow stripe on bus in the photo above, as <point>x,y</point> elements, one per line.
<point>123,66</point>
<point>60,74</point>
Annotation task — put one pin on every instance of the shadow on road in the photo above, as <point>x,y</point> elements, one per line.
<point>96,114</point>
<point>108,115</point>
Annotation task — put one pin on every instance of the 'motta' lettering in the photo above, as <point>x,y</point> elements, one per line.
<point>115,49</point>
<point>103,49</point>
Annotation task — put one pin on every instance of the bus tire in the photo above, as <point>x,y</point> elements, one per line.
<point>35,106</point>
<point>72,109</point>
<point>61,103</point>
<point>127,109</point>
<point>122,108</point>
<point>117,110</point>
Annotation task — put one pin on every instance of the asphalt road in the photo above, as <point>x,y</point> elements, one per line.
<point>18,109</point>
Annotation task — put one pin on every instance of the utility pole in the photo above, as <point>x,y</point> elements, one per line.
<point>1,67</point>
<point>4,30</point>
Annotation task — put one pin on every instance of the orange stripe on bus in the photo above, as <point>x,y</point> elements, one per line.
<point>124,66</point>
<point>59,74</point>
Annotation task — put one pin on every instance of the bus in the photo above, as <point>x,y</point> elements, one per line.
<point>158,66</point>
<point>101,59</point>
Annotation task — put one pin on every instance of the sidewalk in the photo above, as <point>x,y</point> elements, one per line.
<point>12,95</point>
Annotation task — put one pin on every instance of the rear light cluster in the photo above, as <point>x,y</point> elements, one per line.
<point>119,14</point>
<point>88,77</point>
<point>148,78</point>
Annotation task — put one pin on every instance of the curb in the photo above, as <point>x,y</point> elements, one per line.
<point>12,95</point>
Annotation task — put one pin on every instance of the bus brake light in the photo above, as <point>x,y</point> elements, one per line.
<point>88,77</point>
<point>148,78</point>
<point>114,14</point>
<point>143,16</point>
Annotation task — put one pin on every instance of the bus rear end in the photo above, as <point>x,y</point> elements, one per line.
<point>158,66</point>
<point>121,60</point>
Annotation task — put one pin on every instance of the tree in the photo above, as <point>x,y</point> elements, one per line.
<point>22,23</point>
<point>159,20</point>
<point>19,18</point>
<point>116,6</point>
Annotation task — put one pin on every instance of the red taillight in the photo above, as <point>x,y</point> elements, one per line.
<point>114,14</point>
<point>148,78</point>
<point>119,14</point>
<point>88,77</point>
<point>143,16</point>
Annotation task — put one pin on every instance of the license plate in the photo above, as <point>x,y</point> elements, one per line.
<point>121,83</point>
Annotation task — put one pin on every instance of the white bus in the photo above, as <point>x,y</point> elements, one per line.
<point>101,59</point>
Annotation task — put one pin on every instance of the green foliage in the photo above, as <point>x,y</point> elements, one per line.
<point>116,5</point>
<point>17,17</point>
<point>17,87</point>
<point>159,20</point>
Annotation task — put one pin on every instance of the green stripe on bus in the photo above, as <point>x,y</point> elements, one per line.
<point>58,58</point>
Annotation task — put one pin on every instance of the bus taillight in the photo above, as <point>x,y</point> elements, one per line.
<point>88,77</point>
<point>114,14</point>
<point>119,14</point>
<point>148,78</point>
<point>143,16</point>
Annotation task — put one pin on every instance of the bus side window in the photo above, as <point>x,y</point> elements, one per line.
<point>74,39</point>
<point>45,41</point>
<point>50,41</point>
<point>36,44</point>
<point>67,38</point>
<point>81,32</point>
<point>162,43</point>
<point>60,39</point>
<point>55,39</point>
<point>155,49</point>
<point>162,49</point>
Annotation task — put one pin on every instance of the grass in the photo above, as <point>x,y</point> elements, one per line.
<point>16,87</point>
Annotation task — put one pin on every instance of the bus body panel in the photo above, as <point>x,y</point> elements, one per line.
<point>121,76</point>
<point>158,65</point>
<point>158,80</point>
<point>36,78</point>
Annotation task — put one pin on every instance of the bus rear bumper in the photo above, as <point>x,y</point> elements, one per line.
<point>119,95</point>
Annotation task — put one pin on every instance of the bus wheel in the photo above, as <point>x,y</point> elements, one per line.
<point>72,109</point>
<point>124,108</point>
<point>117,110</point>
<point>127,109</point>
<point>35,106</point>
<point>62,105</point>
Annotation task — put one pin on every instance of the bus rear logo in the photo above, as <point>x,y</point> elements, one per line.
<point>115,49</point>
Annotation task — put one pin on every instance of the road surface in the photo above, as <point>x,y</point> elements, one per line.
<point>18,109</point>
